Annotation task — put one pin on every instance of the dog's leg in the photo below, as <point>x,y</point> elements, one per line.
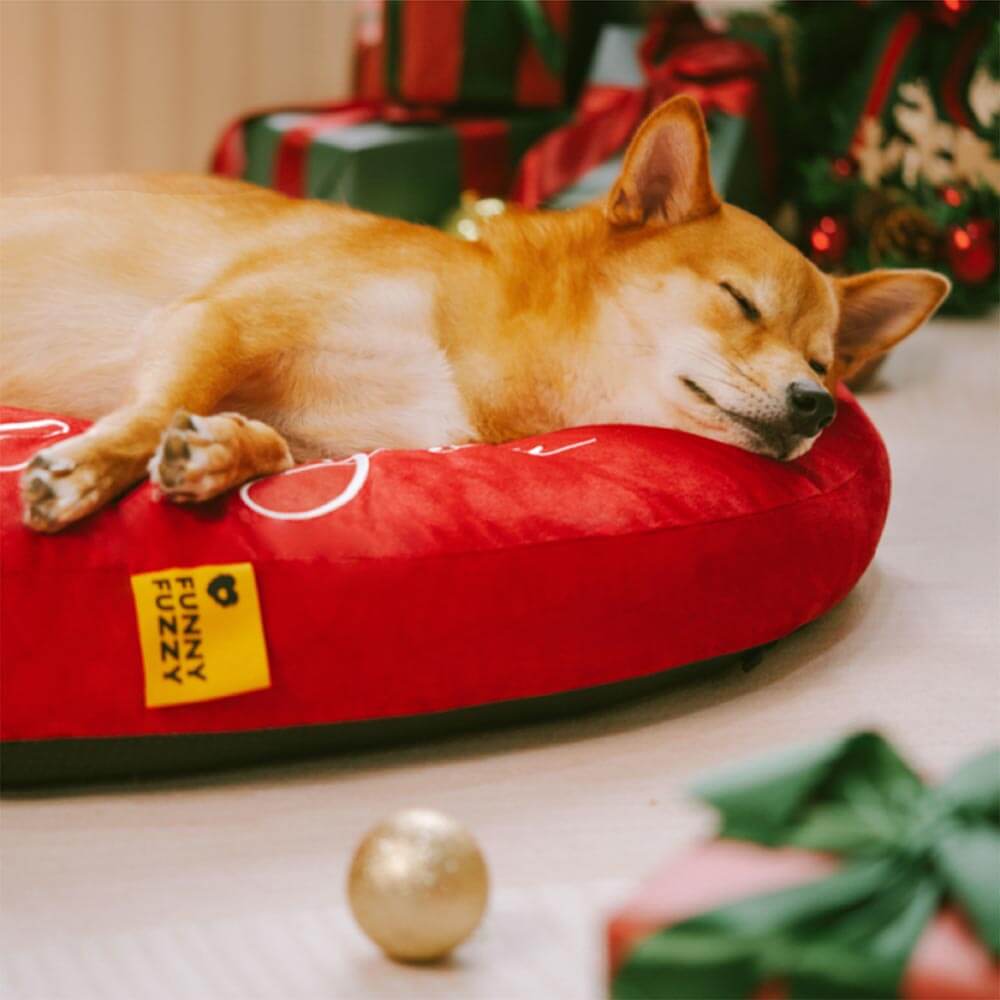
<point>201,457</point>
<point>193,356</point>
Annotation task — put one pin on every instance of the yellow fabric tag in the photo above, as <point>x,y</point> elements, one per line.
<point>200,632</point>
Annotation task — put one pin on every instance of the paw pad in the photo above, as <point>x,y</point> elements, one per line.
<point>192,461</point>
<point>175,447</point>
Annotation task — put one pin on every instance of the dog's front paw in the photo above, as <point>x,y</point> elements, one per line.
<point>198,457</point>
<point>57,490</point>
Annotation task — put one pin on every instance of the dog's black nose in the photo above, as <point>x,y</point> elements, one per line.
<point>810,408</point>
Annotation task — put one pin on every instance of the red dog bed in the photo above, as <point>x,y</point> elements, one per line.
<point>373,592</point>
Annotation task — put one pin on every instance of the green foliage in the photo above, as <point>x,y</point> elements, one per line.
<point>835,50</point>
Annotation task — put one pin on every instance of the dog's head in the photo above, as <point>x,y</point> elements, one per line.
<point>744,336</point>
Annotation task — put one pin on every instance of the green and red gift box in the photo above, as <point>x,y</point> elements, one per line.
<point>472,54</point>
<point>449,96</point>
<point>837,873</point>
<point>461,53</point>
<point>411,164</point>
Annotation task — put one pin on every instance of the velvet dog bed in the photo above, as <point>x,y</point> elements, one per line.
<point>400,593</point>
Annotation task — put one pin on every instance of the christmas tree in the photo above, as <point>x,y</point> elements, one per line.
<point>896,128</point>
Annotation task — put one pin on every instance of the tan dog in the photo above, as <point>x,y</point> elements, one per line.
<point>300,329</point>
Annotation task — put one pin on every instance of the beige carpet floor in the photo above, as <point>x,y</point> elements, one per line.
<point>232,886</point>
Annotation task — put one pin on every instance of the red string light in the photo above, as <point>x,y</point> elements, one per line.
<point>828,240</point>
<point>844,167</point>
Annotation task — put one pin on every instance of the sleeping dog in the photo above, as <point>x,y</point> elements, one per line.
<point>217,332</point>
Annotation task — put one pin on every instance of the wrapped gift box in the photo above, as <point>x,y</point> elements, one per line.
<point>410,169</point>
<point>837,874</point>
<point>506,53</point>
<point>732,77</point>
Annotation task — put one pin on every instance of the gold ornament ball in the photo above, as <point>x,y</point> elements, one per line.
<point>418,885</point>
<point>468,220</point>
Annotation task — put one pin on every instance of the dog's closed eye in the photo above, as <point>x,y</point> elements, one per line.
<point>751,312</point>
<point>818,367</point>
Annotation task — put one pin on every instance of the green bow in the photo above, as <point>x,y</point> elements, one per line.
<point>906,848</point>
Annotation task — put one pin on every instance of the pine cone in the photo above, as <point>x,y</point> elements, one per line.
<point>903,231</point>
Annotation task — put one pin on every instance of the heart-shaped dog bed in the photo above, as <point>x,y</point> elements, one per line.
<point>358,600</point>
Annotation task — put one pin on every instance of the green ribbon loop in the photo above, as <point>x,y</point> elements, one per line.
<point>906,849</point>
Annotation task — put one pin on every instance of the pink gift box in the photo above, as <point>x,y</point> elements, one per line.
<point>949,962</point>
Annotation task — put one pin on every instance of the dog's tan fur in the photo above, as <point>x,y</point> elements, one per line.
<point>295,330</point>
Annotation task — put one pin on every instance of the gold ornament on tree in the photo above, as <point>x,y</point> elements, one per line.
<point>472,214</point>
<point>418,885</point>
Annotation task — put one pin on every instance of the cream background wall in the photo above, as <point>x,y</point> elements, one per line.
<point>98,85</point>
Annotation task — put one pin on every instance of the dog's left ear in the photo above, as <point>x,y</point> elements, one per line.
<point>666,172</point>
<point>879,309</point>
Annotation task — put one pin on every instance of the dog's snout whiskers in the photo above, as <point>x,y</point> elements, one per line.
<point>727,367</point>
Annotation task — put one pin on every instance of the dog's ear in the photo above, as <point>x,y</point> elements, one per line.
<point>879,309</point>
<point>666,172</point>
